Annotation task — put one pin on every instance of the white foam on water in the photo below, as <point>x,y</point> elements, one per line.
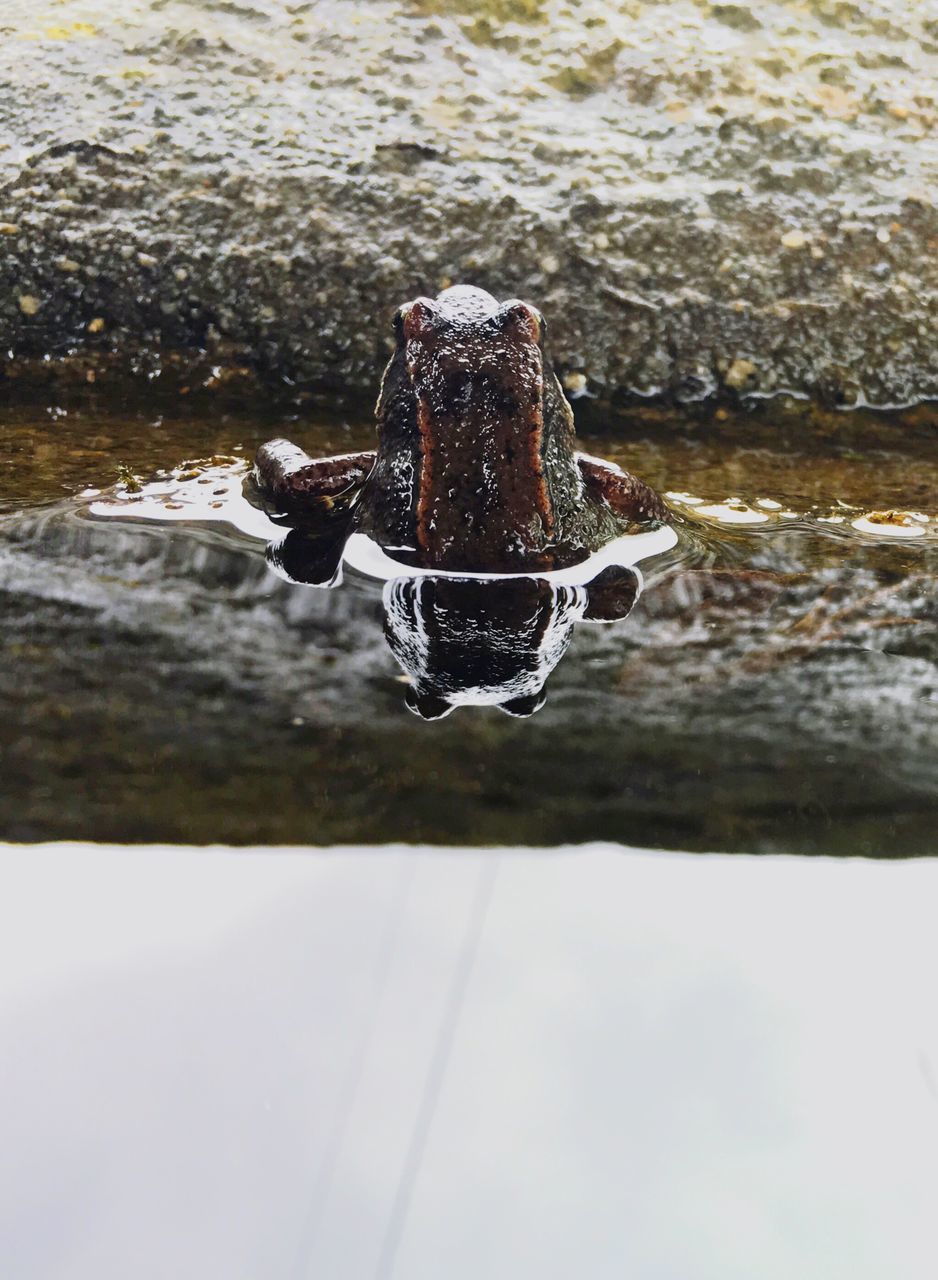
<point>165,501</point>
<point>901,528</point>
<point>729,513</point>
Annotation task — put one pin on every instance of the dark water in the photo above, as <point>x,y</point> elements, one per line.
<point>774,685</point>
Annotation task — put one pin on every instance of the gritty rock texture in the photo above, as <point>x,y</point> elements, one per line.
<point>704,199</point>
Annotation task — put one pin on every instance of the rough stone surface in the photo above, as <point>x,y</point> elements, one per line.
<point>702,198</point>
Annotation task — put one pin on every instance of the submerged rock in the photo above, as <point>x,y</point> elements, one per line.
<point>703,199</point>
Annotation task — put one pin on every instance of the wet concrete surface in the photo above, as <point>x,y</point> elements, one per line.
<point>707,201</point>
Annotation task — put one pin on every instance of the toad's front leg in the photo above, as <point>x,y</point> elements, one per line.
<point>290,479</point>
<point>629,497</point>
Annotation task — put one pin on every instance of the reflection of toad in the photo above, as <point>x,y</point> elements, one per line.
<point>468,642</point>
<point>475,468</point>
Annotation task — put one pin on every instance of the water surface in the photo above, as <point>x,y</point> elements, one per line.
<point>774,686</point>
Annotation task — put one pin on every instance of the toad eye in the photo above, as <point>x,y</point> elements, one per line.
<point>417,320</point>
<point>521,320</point>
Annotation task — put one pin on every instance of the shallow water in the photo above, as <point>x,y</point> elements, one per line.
<point>774,685</point>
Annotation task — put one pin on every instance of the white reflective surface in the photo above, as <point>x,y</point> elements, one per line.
<point>351,1064</point>
<point>364,554</point>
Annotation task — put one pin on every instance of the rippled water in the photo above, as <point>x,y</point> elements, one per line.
<point>771,680</point>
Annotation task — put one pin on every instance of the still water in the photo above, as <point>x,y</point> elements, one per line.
<point>764,680</point>
<point>414,1064</point>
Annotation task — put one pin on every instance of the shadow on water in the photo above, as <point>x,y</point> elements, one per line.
<point>768,683</point>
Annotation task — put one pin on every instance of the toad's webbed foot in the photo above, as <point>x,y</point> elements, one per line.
<point>291,480</point>
<point>629,497</point>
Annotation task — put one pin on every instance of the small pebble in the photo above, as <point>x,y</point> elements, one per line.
<point>739,373</point>
<point>794,239</point>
